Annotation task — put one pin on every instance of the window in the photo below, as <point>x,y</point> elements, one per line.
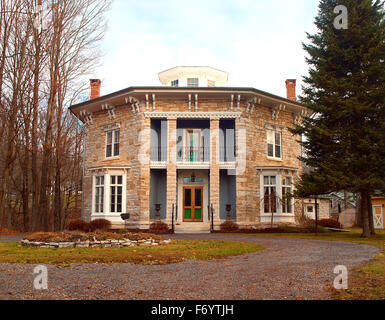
<point>192,82</point>
<point>99,194</point>
<point>175,83</point>
<point>309,209</point>
<point>116,187</point>
<point>112,147</point>
<point>211,83</point>
<point>270,196</point>
<point>286,195</point>
<point>274,144</point>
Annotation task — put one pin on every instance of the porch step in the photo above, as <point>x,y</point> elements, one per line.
<point>193,227</point>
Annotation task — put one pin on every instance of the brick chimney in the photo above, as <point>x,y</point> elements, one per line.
<point>290,86</point>
<point>95,88</point>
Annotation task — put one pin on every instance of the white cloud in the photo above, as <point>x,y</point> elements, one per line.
<point>257,42</point>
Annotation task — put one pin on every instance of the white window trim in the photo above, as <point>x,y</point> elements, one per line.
<point>113,144</point>
<point>196,85</point>
<point>278,176</point>
<point>274,145</point>
<point>107,194</point>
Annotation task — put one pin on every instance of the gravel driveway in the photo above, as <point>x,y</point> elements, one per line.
<point>287,269</point>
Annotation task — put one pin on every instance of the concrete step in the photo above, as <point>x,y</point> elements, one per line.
<point>193,227</point>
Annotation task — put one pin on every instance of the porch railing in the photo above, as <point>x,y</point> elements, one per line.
<point>191,154</point>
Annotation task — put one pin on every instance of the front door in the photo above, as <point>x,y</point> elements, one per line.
<point>378,217</point>
<point>193,204</point>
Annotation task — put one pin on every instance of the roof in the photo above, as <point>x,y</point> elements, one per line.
<point>117,98</point>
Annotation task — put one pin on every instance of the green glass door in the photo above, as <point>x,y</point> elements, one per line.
<point>193,204</point>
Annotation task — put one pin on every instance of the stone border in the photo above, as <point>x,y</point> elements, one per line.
<point>96,244</point>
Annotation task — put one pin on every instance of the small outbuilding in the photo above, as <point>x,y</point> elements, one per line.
<point>378,204</point>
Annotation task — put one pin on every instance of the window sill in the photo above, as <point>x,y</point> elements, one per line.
<point>274,159</point>
<point>112,158</point>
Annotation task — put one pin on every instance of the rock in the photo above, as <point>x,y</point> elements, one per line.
<point>82,244</point>
<point>54,245</point>
<point>66,245</point>
<point>155,244</point>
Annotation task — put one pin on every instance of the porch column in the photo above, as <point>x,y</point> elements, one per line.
<point>144,169</point>
<point>171,168</point>
<point>214,169</point>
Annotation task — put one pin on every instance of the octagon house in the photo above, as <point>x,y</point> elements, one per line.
<point>192,150</point>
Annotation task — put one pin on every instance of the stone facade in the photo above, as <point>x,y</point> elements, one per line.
<point>256,119</point>
<point>251,144</point>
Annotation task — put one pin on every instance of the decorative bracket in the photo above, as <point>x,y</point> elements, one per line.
<point>251,104</point>
<point>87,117</point>
<point>110,111</point>
<point>196,103</point>
<point>147,103</point>
<point>133,103</point>
<point>276,110</point>
<point>232,103</point>
<point>299,115</point>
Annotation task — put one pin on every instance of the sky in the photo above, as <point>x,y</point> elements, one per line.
<point>258,42</point>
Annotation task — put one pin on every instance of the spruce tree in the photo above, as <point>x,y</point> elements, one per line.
<point>344,139</point>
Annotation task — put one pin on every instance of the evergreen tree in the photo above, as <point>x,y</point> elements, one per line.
<point>344,139</point>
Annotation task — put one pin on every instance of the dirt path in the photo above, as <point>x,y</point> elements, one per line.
<point>287,269</point>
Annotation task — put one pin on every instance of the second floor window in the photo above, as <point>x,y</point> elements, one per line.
<point>192,82</point>
<point>112,147</point>
<point>274,146</point>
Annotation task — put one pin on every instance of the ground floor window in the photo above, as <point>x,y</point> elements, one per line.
<point>276,192</point>
<point>270,196</point>
<point>286,195</point>
<point>116,193</point>
<point>109,193</point>
<point>99,194</point>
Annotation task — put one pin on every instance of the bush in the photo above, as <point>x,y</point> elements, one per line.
<point>77,224</point>
<point>330,223</point>
<point>159,227</point>
<point>99,224</point>
<point>229,226</point>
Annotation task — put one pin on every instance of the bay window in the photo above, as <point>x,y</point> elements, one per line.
<point>270,194</point>
<point>109,193</point>
<point>116,194</point>
<point>99,194</point>
<point>286,195</point>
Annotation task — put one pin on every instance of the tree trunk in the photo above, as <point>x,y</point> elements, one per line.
<point>365,214</point>
<point>370,217</point>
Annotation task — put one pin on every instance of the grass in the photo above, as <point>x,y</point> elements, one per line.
<point>366,282</point>
<point>177,251</point>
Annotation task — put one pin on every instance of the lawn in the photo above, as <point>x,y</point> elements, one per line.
<point>366,282</point>
<point>177,251</point>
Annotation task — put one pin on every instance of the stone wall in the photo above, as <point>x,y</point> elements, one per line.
<point>250,131</point>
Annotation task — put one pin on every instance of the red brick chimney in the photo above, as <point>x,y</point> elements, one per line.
<point>95,88</point>
<point>290,86</point>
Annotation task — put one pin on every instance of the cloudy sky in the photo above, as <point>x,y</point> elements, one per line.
<point>258,42</point>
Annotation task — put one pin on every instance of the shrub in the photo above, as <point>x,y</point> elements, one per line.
<point>159,227</point>
<point>99,224</point>
<point>330,223</point>
<point>77,224</point>
<point>229,226</point>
